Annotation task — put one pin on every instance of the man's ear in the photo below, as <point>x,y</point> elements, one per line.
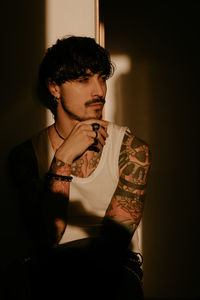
<point>53,88</point>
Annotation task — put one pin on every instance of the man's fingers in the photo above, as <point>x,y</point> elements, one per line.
<point>83,126</point>
<point>103,132</point>
<point>102,123</point>
<point>98,139</point>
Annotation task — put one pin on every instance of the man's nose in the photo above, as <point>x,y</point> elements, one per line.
<point>98,88</point>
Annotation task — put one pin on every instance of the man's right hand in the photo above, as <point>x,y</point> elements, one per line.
<point>80,139</point>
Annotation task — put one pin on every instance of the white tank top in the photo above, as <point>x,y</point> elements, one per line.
<point>89,197</point>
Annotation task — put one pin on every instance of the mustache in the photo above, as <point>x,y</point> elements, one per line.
<point>94,101</point>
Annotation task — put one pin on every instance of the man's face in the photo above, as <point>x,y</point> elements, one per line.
<point>84,98</point>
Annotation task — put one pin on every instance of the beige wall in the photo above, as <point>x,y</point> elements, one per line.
<point>65,17</point>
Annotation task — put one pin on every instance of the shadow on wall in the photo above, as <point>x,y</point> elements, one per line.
<point>22,47</point>
<point>159,100</point>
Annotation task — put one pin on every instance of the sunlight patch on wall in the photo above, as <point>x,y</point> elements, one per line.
<point>69,17</point>
<point>113,107</point>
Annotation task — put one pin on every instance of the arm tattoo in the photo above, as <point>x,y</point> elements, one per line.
<point>60,167</point>
<point>127,203</point>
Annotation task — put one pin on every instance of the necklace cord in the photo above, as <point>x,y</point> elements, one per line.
<point>58,132</point>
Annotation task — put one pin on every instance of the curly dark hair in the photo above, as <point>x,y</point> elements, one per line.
<point>69,59</point>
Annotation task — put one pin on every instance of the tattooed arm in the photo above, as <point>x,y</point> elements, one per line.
<point>60,192</point>
<point>61,168</point>
<point>127,204</point>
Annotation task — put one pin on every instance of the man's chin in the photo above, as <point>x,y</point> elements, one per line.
<point>97,116</point>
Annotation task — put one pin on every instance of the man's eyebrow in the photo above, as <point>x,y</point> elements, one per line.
<point>89,74</point>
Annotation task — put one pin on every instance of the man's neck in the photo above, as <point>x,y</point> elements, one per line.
<point>64,123</point>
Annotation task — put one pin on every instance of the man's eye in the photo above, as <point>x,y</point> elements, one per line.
<point>103,78</point>
<point>84,79</point>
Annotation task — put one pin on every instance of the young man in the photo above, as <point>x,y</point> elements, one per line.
<point>82,178</point>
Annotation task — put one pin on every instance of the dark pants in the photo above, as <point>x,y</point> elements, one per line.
<point>76,270</point>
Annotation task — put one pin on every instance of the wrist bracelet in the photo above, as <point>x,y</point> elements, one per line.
<point>59,177</point>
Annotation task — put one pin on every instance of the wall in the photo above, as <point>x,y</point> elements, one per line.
<point>27,28</point>
<point>157,96</point>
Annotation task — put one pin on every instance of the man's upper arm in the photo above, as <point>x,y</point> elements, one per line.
<point>127,203</point>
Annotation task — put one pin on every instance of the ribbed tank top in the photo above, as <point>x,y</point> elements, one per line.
<point>89,197</point>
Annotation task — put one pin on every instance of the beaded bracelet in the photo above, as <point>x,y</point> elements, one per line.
<point>59,177</point>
